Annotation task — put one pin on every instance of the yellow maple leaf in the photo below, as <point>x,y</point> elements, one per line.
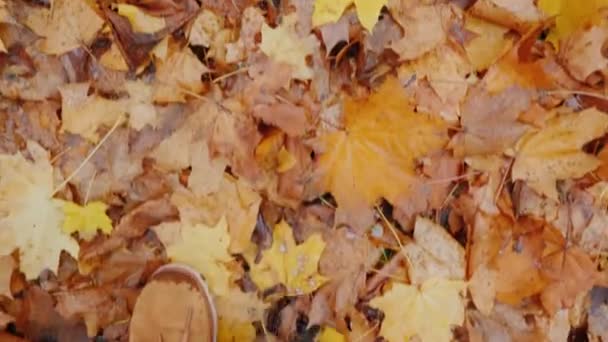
<point>234,199</point>
<point>554,152</point>
<point>329,11</point>
<point>140,20</point>
<point>295,266</point>
<point>329,334</point>
<point>427,311</point>
<point>202,247</point>
<point>375,155</point>
<point>85,219</point>
<point>232,331</point>
<point>83,114</point>
<point>30,220</point>
<point>140,107</point>
<point>283,45</point>
<point>67,25</point>
<point>570,16</point>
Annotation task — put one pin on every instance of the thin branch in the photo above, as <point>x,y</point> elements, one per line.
<point>86,160</point>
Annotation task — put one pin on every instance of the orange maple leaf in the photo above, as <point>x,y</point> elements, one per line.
<point>374,156</point>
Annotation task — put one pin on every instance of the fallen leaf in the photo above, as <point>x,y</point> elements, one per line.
<point>230,331</point>
<point>113,59</point>
<point>27,187</point>
<point>179,76</point>
<point>239,306</point>
<point>141,108</point>
<point>434,254</point>
<point>423,31</point>
<point>283,45</point>
<point>204,27</point>
<point>327,11</point>
<point>488,44</point>
<point>516,14</point>
<point>83,114</point>
<point>569,16</point>
<point>140,20</point>
<point>234,199</point>
<point>86,219</point>
<point>7,265</point>
<point>553,153</point>
<point>329,334</point>
<point>202,247</point>
<point>375,156</point>
<point>66,26</point>
<point>582,52</point>
<point>490,121</point>
<point>407,310</point>
<point>569,269</point>
<point>294,266</point>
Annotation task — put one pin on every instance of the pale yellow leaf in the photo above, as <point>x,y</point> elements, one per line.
<point>234,198</point>
<point>83,114</point>
<point>239,306</point>
<point>141,109</point>
<point>30,219</point>
<point>140,20</point>
<point>68,25</point>
<point>202,247</point>
<point>434,254</point>
<point>554,152</point>
<point>283,45</point>
<point>428,311</point>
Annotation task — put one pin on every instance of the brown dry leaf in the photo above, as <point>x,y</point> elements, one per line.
<point>516,14</point>
<point>97,307</point>
<point>179,76</point>
<point>7,265</point>
<point>490,121</point>
<point>234,199</point>
<point>431,191</point>
<point>506,323</point>
<point>423,31</point>
<point>569,269</point>
<point>290,118</point>
<point>374,157</point>
<point>518,270</point>
<point>433,254</point>
<point>445,70</point>
<point>347,274</point>
<point>582,52</point>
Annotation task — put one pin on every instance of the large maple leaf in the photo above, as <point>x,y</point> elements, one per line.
<point>375,155</point>
<point>427,311</point>
<point>30,219</point>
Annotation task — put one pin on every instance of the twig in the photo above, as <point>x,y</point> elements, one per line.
<point>86,160</point>
<point>230,74</point>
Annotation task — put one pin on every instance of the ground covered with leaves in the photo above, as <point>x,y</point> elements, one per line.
<point>337,170</point>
